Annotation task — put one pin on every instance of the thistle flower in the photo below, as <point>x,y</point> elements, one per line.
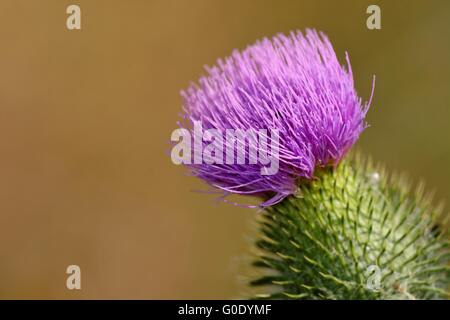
<point>292,84</point>
<point>356,232</point>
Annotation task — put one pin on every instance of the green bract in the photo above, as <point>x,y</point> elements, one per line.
<point>354,233</point>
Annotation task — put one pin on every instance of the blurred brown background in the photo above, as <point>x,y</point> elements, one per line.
<point>86,116</point>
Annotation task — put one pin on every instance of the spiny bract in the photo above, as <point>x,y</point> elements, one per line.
<point>354,234</point>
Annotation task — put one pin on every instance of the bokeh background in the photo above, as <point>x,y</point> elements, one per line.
<point>86,116</point>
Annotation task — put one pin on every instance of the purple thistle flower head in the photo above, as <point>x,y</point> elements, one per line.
<point>293,84</point>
